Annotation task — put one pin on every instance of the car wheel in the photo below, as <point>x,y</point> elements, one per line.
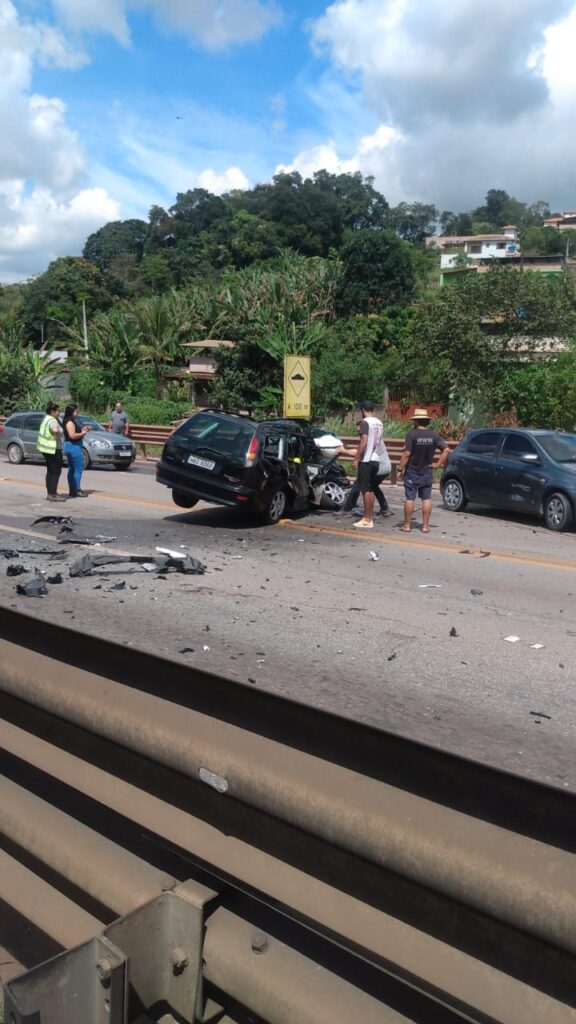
<point>86,459</point>
<point>15,454</point>
<point>333,495</point>
<point>558,512</point>
<point>276,506</point>
<point>453,495</point>
<point>183,500</point>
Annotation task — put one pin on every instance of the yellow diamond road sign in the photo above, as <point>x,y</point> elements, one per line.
<point>297,387</point>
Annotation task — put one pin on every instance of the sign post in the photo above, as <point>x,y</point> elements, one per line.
<point>297,387</point>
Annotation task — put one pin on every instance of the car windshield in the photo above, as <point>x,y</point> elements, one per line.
<point>212,434</point>
<point>560,447</point>
<point>87,421</point>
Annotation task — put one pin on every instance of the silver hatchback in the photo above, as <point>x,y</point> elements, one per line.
<point>19,436</point>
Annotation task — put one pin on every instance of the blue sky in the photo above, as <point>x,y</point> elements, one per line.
<point>110,106</point>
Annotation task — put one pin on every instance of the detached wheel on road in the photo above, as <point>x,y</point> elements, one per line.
<point>558,512</point>
<point>15,454</point>
<point>333,495</point>
<point>276,506</point>
<point>453,495</point>
<point>183,500</point>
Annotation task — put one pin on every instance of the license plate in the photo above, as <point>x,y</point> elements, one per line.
<point>125,455</point>
<point>202,463</point>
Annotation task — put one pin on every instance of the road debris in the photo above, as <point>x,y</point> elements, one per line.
<point>64,522</point>
<point>476,593</point>
<point>373,556</point>
<point>541,714</point>
<point>53,580</point>
<point>392,656</point>
<point>430,586</point>
<point>67,536</point>
<point>17,570</point>
<point>453,631</point>
<point>536,647</point>
<point>36,587</point>
<point>511,639</point>
<point>118,586</point>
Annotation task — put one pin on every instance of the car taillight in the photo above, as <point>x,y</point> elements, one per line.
<point>251,453</point>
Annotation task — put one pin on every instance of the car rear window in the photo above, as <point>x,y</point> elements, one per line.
<point>15,421</point>
<point>560,447</point>
<point>484,444</point>
<point>216,435</point>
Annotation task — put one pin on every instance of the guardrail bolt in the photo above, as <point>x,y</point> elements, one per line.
<point>259,942</point>
<point>104,969</point>
<point>179,960</point>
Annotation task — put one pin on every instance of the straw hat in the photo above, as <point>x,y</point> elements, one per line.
<point>420,414</point>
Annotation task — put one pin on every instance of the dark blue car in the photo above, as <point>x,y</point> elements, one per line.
<point>530,471</point>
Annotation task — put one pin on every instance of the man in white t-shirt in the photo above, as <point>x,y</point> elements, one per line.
<point>367,460</point>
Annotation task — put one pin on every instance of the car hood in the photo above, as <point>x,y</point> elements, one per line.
<point>107,435</point>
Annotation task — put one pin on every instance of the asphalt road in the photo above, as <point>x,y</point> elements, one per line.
<point>413,642</point>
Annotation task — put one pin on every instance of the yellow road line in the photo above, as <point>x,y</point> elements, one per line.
<point>93,494</point>
<point>426,545</point>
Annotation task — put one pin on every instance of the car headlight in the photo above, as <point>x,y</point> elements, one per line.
<point>100,444</point>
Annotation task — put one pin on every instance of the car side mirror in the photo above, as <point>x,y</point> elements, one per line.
<point>530,457</point>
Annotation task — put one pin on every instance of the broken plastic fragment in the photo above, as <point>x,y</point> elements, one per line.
<point>171,554</point>
<point>57,578</point>
<point>512,639</point>
<point>430,586</point>
<point>536,647</point>
<point>16,570</point>
<point>373,556</point>
<point>35,587</point>
<point>66,522</point>
<point>69,537</point>
<point>475,592</point>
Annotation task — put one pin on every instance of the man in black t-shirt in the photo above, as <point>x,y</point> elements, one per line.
<point>416,467</point>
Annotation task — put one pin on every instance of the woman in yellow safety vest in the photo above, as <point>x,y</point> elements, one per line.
<point>50,445</point>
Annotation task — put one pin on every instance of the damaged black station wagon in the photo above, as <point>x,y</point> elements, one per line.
<point>270,467</point>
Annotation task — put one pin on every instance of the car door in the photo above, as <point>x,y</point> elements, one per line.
<point>29,435</point>
<point>296,461</point>
<point>519,474</point>
<point>476,463</point>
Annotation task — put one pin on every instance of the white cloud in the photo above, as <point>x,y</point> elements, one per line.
<point>215,24</point>
<point>469,95</point>
<point>44,211</point>
<point>36,227</point>
<point>231,178</point>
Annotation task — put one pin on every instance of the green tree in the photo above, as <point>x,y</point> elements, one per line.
<point>118,237</point>
<point>160,324</point>
<point>53,301</point>
<point>474,330</point>
<point>378,271</point>
<point>413,222</point>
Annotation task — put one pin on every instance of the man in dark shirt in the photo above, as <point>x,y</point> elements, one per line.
<point>416,467</point>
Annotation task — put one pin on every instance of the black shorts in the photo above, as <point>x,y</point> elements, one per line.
<point>367,473</point>
<point>416,485</point>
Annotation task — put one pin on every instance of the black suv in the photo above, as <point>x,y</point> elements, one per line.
<point>531,471</point>
<point>235,461</point>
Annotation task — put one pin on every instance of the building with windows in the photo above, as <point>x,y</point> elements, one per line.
<point>561,221</point>
<point>469,249</point>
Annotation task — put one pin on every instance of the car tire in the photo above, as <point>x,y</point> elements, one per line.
<point>333,496</point>
<point>183,500</point>
<point>15,454</point>
<point>86,459</point>
<point>276,507</point>
<point>453,495</point>
<point>558,512</point>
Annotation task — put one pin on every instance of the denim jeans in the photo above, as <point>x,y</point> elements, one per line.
<point>75,455</point>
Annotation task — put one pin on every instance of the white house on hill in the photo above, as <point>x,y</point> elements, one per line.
<point>497,245</point>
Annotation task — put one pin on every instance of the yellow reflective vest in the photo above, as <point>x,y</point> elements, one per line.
<point>47,441</point>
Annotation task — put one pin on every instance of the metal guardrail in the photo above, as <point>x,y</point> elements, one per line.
<point>194,847</point>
